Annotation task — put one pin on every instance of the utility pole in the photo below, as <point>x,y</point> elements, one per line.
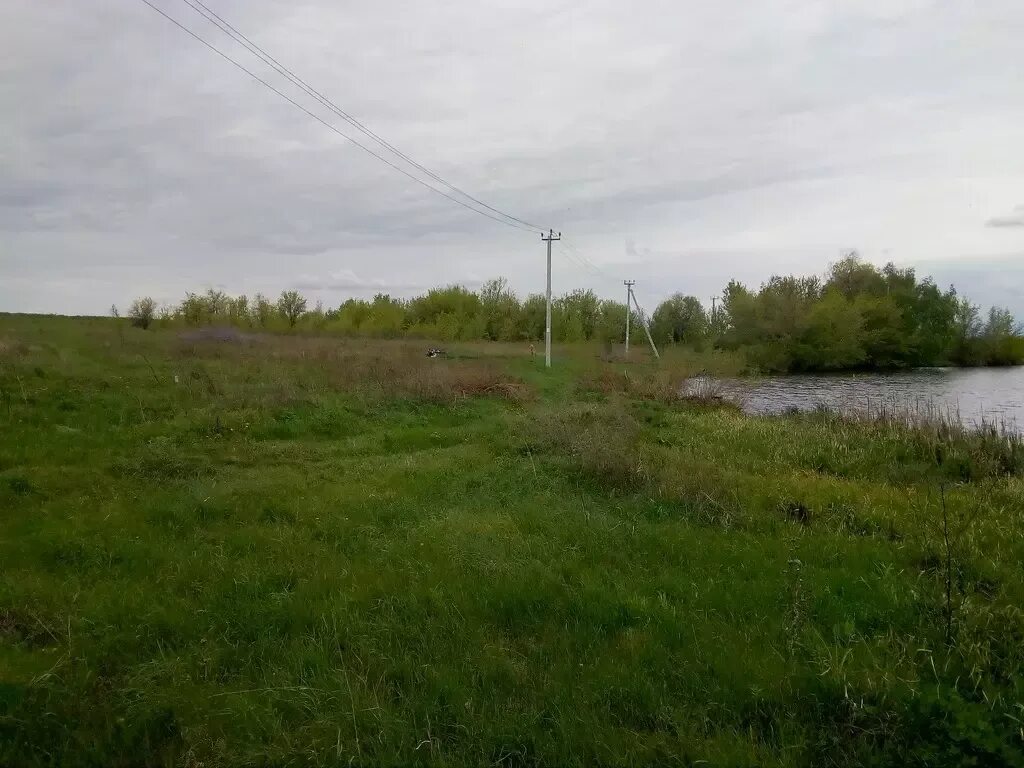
<point>714,307</point>
<point>549,238</point>
<point>643,319</point>
<point>629,292</point>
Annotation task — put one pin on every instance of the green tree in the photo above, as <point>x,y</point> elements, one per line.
<point>262,311</point>
<point>967,328</point>
<point>930,324</point>
<point>215,306</point>
<point>291,305</point>
<point>830,339</point>
<point>353,315</point>
<point>500,309</point>
<point>851,277</point>
<point>883,337</point>
<point>1000,338</point>
<point>783,305</point>
<point>576,316</point>
<point>739,316</point>
<point>193,309</point>
<point>385,317</point>
<point>447,313</point>
<point>679,320</point>
<point>238,311</point>
<point>533,322</point>
<point>769,323</point>
<point>612,325</point>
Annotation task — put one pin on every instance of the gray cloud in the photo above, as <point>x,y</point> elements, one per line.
<point>719,141</point>
<point>1015,219</point>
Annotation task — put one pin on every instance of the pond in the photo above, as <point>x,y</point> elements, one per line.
<point>971,395</point>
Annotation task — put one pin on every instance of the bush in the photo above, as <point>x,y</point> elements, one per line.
<point>948,728</point>
<point>142,312</point>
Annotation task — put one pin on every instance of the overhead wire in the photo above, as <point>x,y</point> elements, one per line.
<point>594,268</point>
<point>571,251</point>
<point>579,262</point>
<point>328,125</point>
<point>225,26</point>
<point>580,258</point>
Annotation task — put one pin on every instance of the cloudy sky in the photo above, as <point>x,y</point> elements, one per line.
<point>676,143</point>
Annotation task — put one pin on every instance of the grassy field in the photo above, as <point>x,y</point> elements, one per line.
<point>278,551</point>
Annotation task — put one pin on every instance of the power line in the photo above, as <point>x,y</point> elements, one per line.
<point>585,262</point>
<point>319,119</point>
<point>572,252</point>
<point>210,15</point>
<point>579,262</point>
<point>569,249</point>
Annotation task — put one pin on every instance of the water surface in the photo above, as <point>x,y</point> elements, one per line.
<point>968,394</point>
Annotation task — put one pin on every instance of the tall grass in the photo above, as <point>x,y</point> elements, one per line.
<point>975,450</point>
<point>396,369</point>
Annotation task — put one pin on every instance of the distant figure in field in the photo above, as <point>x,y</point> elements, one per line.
<point>533,351</point>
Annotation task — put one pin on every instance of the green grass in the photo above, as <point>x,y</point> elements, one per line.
<point>299,551</point>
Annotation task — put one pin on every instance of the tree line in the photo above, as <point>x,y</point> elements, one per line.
<point>452,313</point>
<point>857,317</point>
<point>863,317</point>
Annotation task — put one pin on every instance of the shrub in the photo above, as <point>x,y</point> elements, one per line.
<point>142,312</point>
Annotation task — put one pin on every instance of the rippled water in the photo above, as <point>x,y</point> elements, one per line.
<point>970,394</point>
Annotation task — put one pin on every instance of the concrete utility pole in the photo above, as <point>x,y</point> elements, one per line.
<point>643,319</point>
<point>629,292</point>
<point>549,238</point>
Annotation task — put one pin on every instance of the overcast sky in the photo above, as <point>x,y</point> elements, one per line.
<point>676,143</point>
